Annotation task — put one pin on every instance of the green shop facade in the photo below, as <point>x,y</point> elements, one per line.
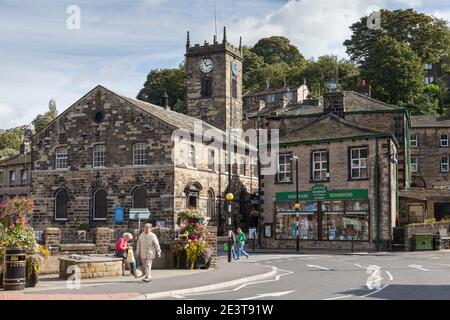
<point>323,215</point>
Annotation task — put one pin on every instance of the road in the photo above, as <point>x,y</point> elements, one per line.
<point>405,275</point>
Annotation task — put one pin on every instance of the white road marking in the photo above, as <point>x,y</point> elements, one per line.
<point>390,275</point>
<point>317,267</point>
<point>277,278</point>
<point>376,291</point>
<point>418,266</point>
<point>272,294</point>
<point>360,266</point>
<point>340,297</point>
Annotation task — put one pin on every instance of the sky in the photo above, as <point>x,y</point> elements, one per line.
<point>48,51</point>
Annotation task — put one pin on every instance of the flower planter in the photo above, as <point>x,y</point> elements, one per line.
<point>32,279</point>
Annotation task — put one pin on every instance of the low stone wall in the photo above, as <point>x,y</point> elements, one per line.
<point>77,248</point>
<point>432,228</point>
<point>90,266</point>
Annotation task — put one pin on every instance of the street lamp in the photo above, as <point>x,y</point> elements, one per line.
<point>229,198</point>
<point>297,204</point>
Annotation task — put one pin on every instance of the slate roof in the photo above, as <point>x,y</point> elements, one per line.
<point>16,160</point>
<point>354,102</point>
<point>430,121</point>
<point>326,127</point>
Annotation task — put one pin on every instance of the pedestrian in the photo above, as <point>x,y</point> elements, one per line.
<point>125,251</point>
<point>241,240</point>
<point>233,244</point>
<point>147,248</point>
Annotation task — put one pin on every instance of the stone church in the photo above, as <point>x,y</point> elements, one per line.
<point>108,151</point>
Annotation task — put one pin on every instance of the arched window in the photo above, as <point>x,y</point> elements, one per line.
<point>139,198</point>
<point>61,200</point>
<point>210,204</point>
<point>100,205</point>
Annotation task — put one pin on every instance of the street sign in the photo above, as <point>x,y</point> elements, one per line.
<point>139,214</point>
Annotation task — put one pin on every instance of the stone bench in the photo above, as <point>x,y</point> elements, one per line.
<point>91,266</point>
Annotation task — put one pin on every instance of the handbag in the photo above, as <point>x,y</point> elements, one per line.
<point>130,256</point>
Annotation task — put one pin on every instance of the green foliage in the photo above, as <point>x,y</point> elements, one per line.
<point>43,120</point>
<point>430,221</point>
<point>11,139</point>
<point>427,36</point>
<point>171,80</point>
<point>275,50</point>
<point>394,71</point>
<point>8,153</point>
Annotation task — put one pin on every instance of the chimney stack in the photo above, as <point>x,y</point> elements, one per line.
<point>334,102</point>
<point>165,101</point>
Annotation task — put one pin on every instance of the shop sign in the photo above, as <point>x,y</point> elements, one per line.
<point>320,192</point>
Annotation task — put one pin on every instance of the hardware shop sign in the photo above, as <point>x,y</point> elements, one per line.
<point>321,192</point>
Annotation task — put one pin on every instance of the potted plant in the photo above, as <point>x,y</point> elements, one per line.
<point>33,264</point>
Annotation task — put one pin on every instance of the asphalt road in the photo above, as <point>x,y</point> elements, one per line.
<point>405,275</point>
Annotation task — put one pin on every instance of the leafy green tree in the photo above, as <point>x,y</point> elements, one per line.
<point>171,80</point>
<point>277,49</point>
<point>427,36</point>
<point>11,139</point>
<point>43,120</point>
<point>394,70</point>
<point>8,153</point>
<point>252,77</point>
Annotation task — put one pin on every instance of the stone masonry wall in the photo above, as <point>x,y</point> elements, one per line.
<point>432,228</point>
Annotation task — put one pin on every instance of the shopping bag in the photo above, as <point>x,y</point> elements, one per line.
<point>225,246</point>
<point>130,256</point>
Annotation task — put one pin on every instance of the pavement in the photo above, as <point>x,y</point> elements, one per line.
<point>164,283</point>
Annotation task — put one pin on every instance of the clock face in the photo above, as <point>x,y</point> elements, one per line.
<point>206,65</point>
<point>234,68</point>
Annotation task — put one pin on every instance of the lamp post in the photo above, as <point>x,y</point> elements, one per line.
<point>258,165</point>
<point>297,204</point>
<point>229,198</point>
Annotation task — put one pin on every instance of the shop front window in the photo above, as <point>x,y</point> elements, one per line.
<point>286,221</point>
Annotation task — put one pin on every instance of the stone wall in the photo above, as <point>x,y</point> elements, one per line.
<point>91,268</point>
<point>432,228</point>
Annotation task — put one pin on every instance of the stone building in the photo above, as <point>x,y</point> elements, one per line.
<point>108,151</point>
<point>274,97</point>
<point>429,195</point>
<point>15,175</point>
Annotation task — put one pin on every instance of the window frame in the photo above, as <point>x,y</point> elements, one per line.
<point>94,200</point>
<point>350,162</point>
<point>191,163</point>
<point>442,140</point>
<point>206,87</point>
<point>416,140</point>
<point>139,159</point>
<point>12,174</point>
<point>211,160</point>
<point>288,162</point>
<point>312,163</point>
<point>416,164</point>
<point>23,182</point>
<point>94,160</point>
<point>61,158</point>
<point>55,204</point>
<point>446,163</point>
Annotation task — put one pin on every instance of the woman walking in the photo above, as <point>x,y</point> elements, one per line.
<point>241,240</point>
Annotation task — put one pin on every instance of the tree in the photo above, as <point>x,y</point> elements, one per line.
<point>171,80</point>
<point>277,49</point>
<point>427,36</point>
<point>43,120</point>
<point>252,77</point>
<point>11,139</point>
<point>326,68</point>
<point>394,70</point>
<point>8,153</point>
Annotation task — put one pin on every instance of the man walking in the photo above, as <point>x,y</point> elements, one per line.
<point>147,248</point>
<point>241,239</point>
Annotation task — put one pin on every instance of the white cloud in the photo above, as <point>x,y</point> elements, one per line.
<point>10,115</point>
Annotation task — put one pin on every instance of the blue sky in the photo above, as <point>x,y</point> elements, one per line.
<point>120,41</point>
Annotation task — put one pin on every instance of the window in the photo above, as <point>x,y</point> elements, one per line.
<point>99,156</point>
<point>206,89</point>
<point>191,156</point>
<point>211,160</point>
<point>414,140</point>
<point>140,154</point>
<point>358,163</point>
<point>100,205</point>
<point>319,165</point>
<point>242,167</point>
<point>429,80</point>
<point>444,140</point>
<point>271,98</point>
<point>289,95</point>
<point>12,178</point>
<point>210,204</point>
<point>285,168</point>
<point>61,158</point>
<point>1,178</point>
<point>23,176</point>
<point>444,164</point>
<point>414,164</point>
<point>61,201</point>
<point>234,88</point>
<point>139,198</point>
<point>427,66</point>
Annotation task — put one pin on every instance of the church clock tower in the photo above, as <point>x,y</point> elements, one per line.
<point>214,82</point>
